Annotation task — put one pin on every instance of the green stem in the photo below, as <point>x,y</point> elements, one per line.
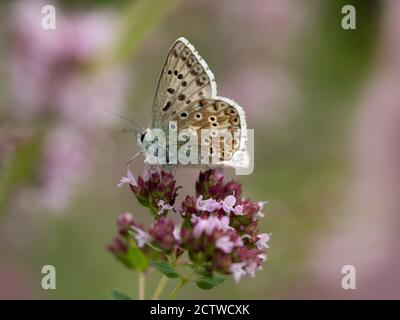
<point>141,285</point>
<point>174,292</point>
<point>184,280</point>
<point>160,288</point>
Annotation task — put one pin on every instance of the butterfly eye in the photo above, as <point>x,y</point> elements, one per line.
<point>214,124</point>
<point>212,119</point>
<point>180,76</point>
<point>198,116</point>
<point>184,83</point>
<point>181,97</point>
<point>172,126</point>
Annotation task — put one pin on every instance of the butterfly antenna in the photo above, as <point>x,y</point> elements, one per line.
<point>128,119</point>
<point>132,158</point>
<point>128,130</point>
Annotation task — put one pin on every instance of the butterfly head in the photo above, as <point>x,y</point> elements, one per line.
<point>140,137</point>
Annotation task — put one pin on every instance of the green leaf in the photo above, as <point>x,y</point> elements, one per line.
<point>143,201</point>
<point>207,283</point>
<point>134,259</point>
<point>165,268</point>
<point>137,259</point>
<point>187,223</point>
<point>118,295</point>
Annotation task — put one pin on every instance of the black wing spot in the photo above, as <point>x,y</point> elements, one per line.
<point>203,102</point>
<point>183,115</point>
<point>167,106</point>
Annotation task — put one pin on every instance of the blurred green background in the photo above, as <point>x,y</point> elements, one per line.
<point>305,84</point>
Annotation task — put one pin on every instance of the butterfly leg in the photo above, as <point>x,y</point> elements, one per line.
<point>159,172</point>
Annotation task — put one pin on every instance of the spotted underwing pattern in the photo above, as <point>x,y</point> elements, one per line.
<point>187,93</point>
<point>185,78</point>
<point>212,118</point>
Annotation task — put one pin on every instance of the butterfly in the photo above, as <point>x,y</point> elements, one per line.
<point>186,100</point>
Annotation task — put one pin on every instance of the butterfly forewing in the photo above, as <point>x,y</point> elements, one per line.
<point>185,78</point>
<point>187,95</point>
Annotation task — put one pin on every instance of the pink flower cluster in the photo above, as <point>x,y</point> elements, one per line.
<point>58,84</point>
<point>219,231</point>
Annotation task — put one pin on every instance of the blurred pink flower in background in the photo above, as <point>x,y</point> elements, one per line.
<point>282,22</point>
<point>15,282</point>
<point>267,96</point>
<point>84,100</point>
<point>367,237</point>
<point>66,161</point>
<point>46,65</point>
<point>59,75</point>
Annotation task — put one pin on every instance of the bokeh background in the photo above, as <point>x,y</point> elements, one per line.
<point>324,103</point>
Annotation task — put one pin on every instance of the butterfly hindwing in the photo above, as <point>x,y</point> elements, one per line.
<point>185,78</point>
<point>215,118</point>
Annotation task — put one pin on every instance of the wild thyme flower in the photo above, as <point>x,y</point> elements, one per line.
<point>189,206</point>
<point>219,232</point>
<point>129,179</point>
<point>141,237</point>
<point>210,184</point>
<point>162,233</point>
<point>124,223</point>
<point>118,246</point>
<point>153,189</point>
